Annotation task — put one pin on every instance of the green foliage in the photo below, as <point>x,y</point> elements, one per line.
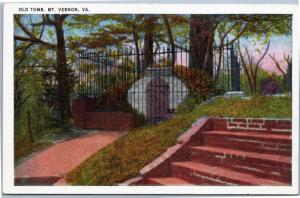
<point>31,84</point>
<point>263,24</point>
<point>33,93</point>
<point>268,24</point>
<point>101,78</point>
<point>200,85</point>
<point>262,75</point>
<point>125,157</point>
<point>115,96</point>
<point>259,27</point>
<point>28,98</point>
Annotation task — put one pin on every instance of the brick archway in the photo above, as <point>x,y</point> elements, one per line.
<point>157,97</point>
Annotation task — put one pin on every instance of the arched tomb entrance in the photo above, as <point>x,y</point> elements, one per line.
<point>157,97</point>
<point>157,94</point>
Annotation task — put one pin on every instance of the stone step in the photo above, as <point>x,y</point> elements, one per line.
<point>268,166</point>
<point>204,174</point>
<point>171,181</point>
<point>251,141</point>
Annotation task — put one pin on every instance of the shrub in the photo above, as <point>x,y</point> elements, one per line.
<point>115,97</point>
<point>139,119</point>
<point>199,84</point>
<point>262,75</point>
<point>30,97</point>
<point>269,87</point>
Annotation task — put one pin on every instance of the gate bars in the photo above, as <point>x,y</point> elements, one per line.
<point>97,71</point>
<point>119,77</point>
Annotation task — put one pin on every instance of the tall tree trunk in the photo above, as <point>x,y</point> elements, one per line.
<point>220,51</point>
<point>148,41</point>
<point>208,61</point>
<point>202,29</point>
<point>62,74</point>
<point>171,39</point>
<point>137,48</point>
<point>288,77</point>
<point>255,82</point>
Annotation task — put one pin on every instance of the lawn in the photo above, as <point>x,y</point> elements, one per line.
<point>125,157</point>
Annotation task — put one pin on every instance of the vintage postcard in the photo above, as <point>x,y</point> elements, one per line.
<point>132,98</point>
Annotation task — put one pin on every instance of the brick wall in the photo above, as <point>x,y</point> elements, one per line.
<point>84,117</point>
<point>253,124</point>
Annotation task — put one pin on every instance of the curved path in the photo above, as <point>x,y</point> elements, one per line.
<point>52,164</point>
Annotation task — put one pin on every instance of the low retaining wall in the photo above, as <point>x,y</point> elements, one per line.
<point>161,165</point>
<point>85,117</point>
<point>252,124</point>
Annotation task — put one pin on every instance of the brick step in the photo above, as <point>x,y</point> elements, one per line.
<point>36,181</point>
<point>172,181</point>
<point>251,141</point>
<point>264,165</point>
<point>204,174</point>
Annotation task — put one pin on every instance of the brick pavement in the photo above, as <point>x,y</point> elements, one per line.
<point>53,163</point>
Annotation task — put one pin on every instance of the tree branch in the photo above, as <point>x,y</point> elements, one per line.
<point>245,68</point>
<point>237,36</point>
<point>34,41</point>
<point>32,38</point>
<point>277,63</point>
<point>264,54</point>
<point>42,23</point>
<point>250,64</point>
<point>229,30</point>
<point>23,47</point>
<point>287,58</point>
<point>58,18</point>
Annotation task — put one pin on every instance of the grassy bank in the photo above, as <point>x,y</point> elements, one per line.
<point>126,156</point>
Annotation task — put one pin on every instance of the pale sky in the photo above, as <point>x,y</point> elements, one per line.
<point>279,45</point>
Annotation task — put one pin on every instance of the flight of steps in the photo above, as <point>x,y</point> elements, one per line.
<point>226,157</point>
